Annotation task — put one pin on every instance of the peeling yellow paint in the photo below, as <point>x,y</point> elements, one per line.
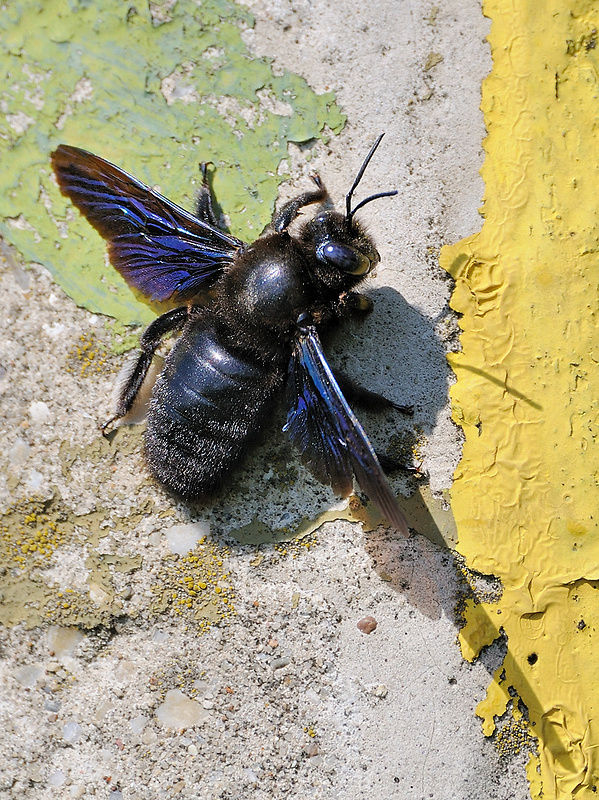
<point>525,495</point>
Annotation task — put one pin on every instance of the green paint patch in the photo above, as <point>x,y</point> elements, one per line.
<point>154,94</point>
<point>256,532</point>
<point>102,452</point>
<point>36,536</point>
<point>122,337</point>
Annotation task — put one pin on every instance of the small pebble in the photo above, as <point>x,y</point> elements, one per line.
<point>54,330</point>
<point>278,663</point>
<point>330,764</point>
<point>125,671</point>
<point>381,691</point>
<point>34,773</point>
<point>19,452</point>
<point>183,538</point>
<point>178,711</point>
<point>52,705</point>
<point>192,750</point>
<point>71,732</point>
<point>137,724</point>
<point>98,594</point>
<point>63,641</point>
<point>367,624</point>
<point>28,675</point>
<point>250,775</point>
<point>149,736</point>
<point>34,480</point>
<point>39,412</point>
<point>102,710</point>
<point>56,778</point>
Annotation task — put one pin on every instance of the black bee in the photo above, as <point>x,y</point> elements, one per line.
<point>249,317</point>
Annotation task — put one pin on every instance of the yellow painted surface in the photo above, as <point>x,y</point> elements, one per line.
<point>526,496</point>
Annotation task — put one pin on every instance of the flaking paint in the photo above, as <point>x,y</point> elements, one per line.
<point>525,494</point>
<point>153,93</point>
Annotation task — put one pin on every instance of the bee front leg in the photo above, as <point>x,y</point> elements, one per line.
<point>135,372</point>
<point>283,218</point>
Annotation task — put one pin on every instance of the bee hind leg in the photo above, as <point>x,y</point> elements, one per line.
<point>390,464</point>
<point>134,373</point>
<point>206,201</point>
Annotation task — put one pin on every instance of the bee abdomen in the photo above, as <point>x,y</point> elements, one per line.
<point>208,406</point>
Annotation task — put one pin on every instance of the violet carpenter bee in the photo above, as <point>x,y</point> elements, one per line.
<point>249,316</point>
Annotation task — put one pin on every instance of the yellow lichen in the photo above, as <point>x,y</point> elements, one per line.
<point>88,355</point>
<point>196,586</point>
<point>298,546</point>
<point>33,534</point>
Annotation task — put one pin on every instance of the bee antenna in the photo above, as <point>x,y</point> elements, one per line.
<point>372,197</point>
<point>348,209</point>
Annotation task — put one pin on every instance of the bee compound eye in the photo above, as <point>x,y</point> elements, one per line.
<point>345,258</point>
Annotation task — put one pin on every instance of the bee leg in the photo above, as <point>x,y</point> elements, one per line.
<point>283,218</point>
<point>358,303</point>
<point>371,401</point>
<point>390,464</point>
<point>135,373</point>
<point>205,200</point>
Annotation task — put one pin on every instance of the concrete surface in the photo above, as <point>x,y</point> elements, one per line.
<point>291,699</point>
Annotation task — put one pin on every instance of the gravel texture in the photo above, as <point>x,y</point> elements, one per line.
<point>322,668</point>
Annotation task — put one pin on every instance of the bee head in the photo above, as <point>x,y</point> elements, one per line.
<point>341,243</point>
<point>338,240</point>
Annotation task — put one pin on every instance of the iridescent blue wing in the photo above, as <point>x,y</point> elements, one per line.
<point>158,247</point>
<point>320,422</point>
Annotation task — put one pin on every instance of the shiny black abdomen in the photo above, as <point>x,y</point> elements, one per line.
<point>208,405</point>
